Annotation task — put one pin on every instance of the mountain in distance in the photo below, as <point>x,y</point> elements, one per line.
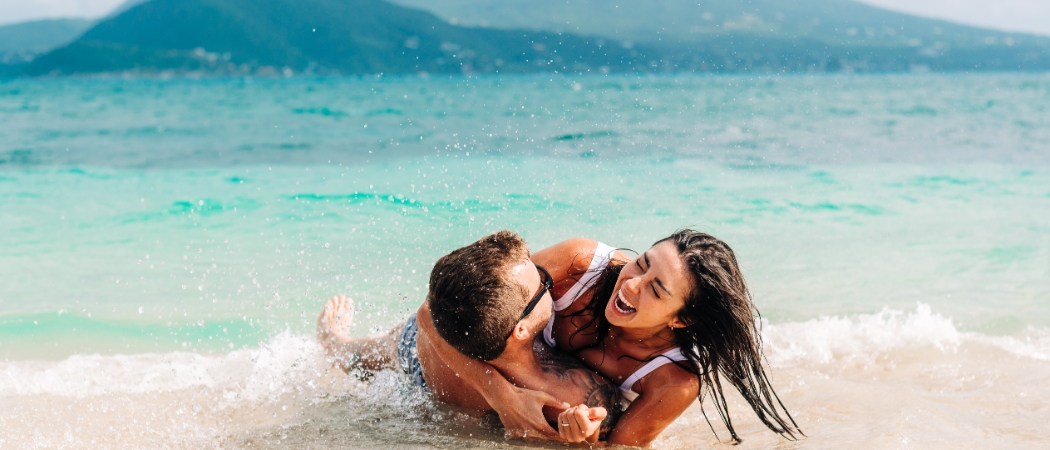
<point>21,42</point>
<point>852,34</point>
<point>340,36</point>
<point>837,22</point>
<point>515,36</point>
<point>41,35</point>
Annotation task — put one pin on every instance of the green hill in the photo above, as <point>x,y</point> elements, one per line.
<point>837,22</point>
<point>514,36</point>
<point>21,42</point>
<point>345,36</point>
<point>849,34</point>
<point>40,35</point>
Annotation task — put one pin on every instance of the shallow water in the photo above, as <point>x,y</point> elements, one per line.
<point>165,245</point>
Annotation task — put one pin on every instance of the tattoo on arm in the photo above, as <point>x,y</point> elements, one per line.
<point>597,391</point>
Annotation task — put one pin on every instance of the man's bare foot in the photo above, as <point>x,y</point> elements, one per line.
<point>333,325</point>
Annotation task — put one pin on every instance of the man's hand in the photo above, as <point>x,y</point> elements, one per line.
<point>581,423</point>
<point>522,413</point>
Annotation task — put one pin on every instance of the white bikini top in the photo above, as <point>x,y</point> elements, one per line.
<point>674,354</point>
<point>602,255</point>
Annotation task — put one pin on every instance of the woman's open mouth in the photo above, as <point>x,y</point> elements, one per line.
<point>622,306</point>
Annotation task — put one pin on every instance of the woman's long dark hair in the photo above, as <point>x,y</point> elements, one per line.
<point>722,339</point>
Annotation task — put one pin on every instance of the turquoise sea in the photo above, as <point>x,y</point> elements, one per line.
<point>165,245</point>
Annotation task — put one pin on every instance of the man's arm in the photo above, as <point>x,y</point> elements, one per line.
<point>520,410</point>
<point>599,399</point>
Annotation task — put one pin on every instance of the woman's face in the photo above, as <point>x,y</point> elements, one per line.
<point>651,290</point>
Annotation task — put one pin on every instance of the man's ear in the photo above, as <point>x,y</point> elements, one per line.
<point>521,331</point>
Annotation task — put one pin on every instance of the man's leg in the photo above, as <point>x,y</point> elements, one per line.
<point>370,353</point>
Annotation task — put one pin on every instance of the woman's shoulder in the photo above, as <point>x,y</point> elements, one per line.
<point>669,379</point>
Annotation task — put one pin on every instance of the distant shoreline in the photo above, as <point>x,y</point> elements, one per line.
<point>190,76</point>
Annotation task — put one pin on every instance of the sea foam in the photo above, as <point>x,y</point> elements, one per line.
<point>864,337</point>
<point>250,395</point>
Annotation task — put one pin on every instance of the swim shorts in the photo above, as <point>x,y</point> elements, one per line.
<point>408,355</point>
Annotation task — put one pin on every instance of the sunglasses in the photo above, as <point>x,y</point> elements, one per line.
<point>546,284</point>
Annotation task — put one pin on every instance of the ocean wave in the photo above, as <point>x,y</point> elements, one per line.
<point>290,361</point>
<point>277,366</point>
<point>841,375</point>
<point>865,337</point>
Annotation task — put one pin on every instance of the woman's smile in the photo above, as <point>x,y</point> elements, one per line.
<point>622,306</point>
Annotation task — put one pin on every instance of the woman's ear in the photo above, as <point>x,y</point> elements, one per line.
<point>677,322</point>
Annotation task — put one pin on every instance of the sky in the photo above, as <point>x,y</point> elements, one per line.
<point>12,11</point>
<point>1031,16</point>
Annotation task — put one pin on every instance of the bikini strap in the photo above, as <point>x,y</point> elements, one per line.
<point>674,354</point>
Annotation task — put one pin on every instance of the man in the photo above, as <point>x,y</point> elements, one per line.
<point>489,302</point>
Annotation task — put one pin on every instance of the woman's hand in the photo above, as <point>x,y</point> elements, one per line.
<point>581,423</point>
<point>521,411</point>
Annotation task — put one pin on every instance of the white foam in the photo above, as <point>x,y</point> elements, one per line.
<point>837,373</point>
<point>290,362</point>
<point>864,337</point>
<point>1034,344</point>
<point>827,339</point>
<point>251,374</point>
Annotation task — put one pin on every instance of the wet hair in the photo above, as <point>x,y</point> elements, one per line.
<point>473,300</point>
<point>721,339</point>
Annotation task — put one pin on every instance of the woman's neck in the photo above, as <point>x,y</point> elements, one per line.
<point>644,340</point>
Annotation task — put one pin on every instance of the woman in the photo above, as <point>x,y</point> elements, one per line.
<point>667,327</point>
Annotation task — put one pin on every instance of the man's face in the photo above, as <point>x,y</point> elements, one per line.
<point>528,275</point>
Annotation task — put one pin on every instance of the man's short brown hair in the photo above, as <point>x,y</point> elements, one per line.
<point>473,301</point>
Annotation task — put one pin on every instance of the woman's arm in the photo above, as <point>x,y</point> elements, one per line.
<point>663,396</point>
<point>520,410</point>
<point>567,262</point>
